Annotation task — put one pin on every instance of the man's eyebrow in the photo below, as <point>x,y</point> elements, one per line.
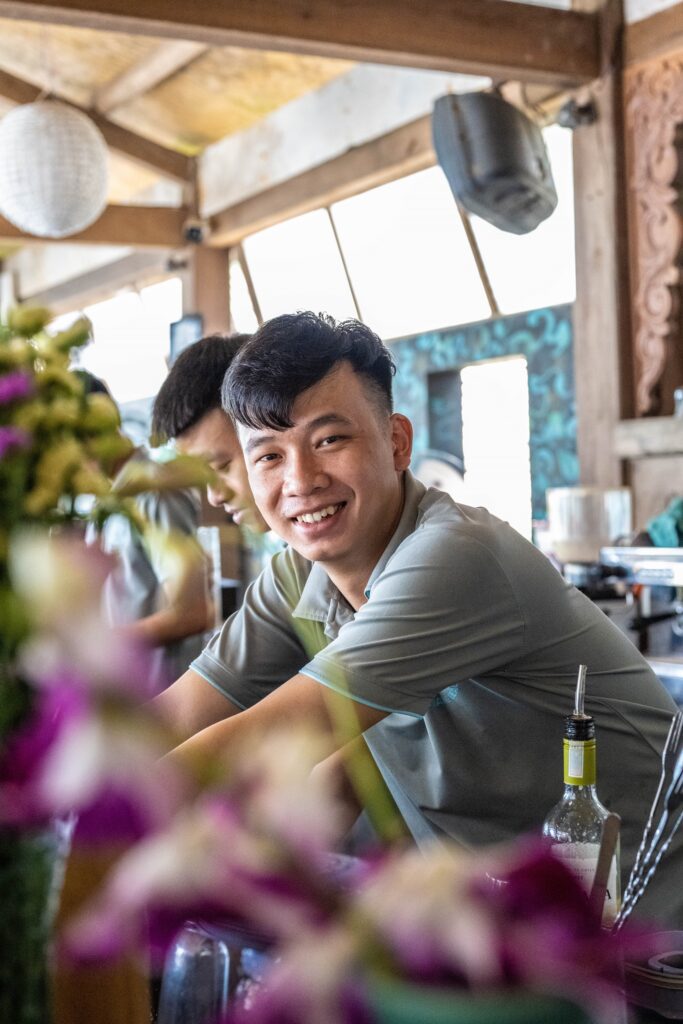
<point>328,419</point>
<point>258,442</point>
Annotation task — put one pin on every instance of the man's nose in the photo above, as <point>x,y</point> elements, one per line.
<point>214,496</point>
<point>217,494</point>
<point>303,474</point>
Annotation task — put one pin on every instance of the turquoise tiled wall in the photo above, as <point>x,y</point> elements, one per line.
<point>544,337</point>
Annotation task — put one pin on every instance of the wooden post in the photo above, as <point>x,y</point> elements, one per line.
<point>601,327</point>
<point>116,993</point>
<point>206,287</point>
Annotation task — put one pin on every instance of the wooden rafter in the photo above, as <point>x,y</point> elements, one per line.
<point>404,151</point>
<point>491,37</point>
<point>164,161</point>
<point>657,36</point>
<point>166,60</point>
<point>140,226</point>
<point>139,266</point>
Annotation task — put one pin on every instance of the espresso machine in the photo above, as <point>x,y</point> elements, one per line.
<point>580,521</point>
<point>640,588</point>
<point>653,578</point>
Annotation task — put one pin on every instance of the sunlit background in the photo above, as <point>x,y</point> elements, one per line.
<point>399,258</point>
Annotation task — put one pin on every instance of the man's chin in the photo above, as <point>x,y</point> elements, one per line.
<point>316,550</point>
<point>237,516</point>
<point>250,520</point>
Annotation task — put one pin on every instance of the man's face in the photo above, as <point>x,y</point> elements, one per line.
<point>330,485</point>
<point>213,438</point>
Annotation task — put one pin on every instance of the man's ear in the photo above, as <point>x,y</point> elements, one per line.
<point>402,440</point>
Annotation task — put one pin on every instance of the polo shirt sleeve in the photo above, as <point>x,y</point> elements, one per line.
<point>441,612</point>
<point>258,647</point>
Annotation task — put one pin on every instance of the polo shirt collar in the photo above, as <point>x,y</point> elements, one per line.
<point>321,601</point>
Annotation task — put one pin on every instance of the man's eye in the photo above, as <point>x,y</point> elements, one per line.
<point>331,439</point>
<point>268,457</point>
<point>223,468</point>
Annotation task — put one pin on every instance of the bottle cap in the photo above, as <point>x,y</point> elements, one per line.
<point>579,727</point>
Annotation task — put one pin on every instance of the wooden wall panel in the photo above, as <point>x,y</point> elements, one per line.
<point>654,481</point>
<point>653,107</point>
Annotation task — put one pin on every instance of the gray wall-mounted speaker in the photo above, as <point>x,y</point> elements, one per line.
<point>495,160</point>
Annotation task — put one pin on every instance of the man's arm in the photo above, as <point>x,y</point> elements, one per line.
<point>189,612</point>
<point>191,706</point>
<point>180,567</point>
<point>299,700</point>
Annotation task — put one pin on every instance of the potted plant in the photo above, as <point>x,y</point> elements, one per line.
<point>56,443</point>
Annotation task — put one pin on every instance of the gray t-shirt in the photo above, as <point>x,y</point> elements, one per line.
<point>473,640</point>
<point>135,588</point>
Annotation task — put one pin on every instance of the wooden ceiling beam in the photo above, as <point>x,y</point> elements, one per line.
<point>166,60</point>
<point>144,227</point>
<point>489,37</point>
<point>657,36</point>
<point>404,151</point>
<point>164,161</point>
<point>139,267</point>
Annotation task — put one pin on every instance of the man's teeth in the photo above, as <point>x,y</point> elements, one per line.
<point>315,517</point>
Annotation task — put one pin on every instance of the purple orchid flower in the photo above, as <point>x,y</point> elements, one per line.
<point>75,752</point>
<point>55,712</point>
<point>315,978</point>
<point>115,815</point>
<point>60,580</point>
<point>15,385</point>
<point>13,438</point>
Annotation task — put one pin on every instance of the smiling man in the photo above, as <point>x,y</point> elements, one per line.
<point>188,410</point>
<point>453,640</point>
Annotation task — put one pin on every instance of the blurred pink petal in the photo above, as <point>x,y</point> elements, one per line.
<point>55,713</point>
<point>13,438</point>
<point>15,385</point>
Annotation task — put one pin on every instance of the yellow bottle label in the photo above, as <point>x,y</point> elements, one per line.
<point>579,762</point>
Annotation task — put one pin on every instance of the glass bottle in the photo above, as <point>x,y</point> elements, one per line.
<point>574,825</point>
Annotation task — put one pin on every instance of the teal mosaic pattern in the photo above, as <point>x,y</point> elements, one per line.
<point>544,337</point>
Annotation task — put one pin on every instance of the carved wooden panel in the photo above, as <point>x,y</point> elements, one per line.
<point>653,102</point>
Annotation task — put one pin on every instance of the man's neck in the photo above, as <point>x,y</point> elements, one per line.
<point>350,586</point>
<point>352,581</point>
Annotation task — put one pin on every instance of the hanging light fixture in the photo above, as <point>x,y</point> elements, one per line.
<point>54,169</point>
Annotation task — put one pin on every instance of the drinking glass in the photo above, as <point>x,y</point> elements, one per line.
<point>196,982</point>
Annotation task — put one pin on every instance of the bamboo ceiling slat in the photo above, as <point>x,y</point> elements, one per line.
<point>72,61</point>
<point>224,91</point>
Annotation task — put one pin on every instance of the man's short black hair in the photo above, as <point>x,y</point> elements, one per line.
<point>92,385</point>
<point>193,386</point>
<point>291,353</point>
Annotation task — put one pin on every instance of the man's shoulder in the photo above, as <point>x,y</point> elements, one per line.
<point>441,520</point>
<point>452,541</point>
<point>182,504</point>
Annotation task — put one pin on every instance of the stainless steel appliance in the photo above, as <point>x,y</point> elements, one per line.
<point>654,581</point>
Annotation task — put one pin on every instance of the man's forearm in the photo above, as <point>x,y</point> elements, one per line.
<point>170,624</point>
<point>299,702</point>
<point>191,705</point>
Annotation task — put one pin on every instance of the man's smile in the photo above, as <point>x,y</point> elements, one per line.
<point>318,515</point>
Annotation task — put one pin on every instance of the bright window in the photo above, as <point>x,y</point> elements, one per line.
<point>296,265</point>
<point>131,339</point>
<point>495,427</point>
<point>537,269</point>
<point>408,256</point>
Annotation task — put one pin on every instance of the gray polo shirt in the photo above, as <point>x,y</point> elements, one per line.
<point>472,639</point>
<point>136,586</point>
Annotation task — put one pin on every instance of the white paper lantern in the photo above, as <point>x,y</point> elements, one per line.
<point>54,169</point>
